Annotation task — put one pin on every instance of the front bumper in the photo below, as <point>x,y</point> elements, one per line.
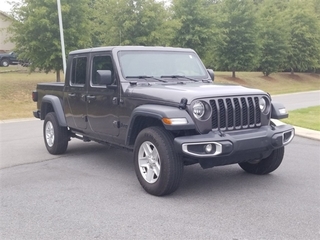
<point>234,146</point>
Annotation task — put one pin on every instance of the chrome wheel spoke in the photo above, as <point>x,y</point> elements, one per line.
<point>149,162</point>
<point>149,175</point>
<point>144,162</point>
<point>156,169</point>
<point>155,154</point>
<point>49,134</point>
<point>146,148</point>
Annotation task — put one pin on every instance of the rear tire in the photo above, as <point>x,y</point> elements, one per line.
<point>5,62</point>
<point>266,165</point>
<point>56,138</point>
<point>157,165</point>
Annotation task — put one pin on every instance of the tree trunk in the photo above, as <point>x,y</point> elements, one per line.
<point>233,73</point>
<point>292,72</point>
<point>58,75</point>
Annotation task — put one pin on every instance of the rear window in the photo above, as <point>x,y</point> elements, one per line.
<point>79,71</point>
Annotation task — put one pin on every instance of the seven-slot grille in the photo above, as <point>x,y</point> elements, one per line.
<point>235,113</point>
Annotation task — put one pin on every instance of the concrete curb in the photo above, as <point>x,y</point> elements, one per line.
<point>299,131</point>
<point>18,120</point>
<point>296,93</point>
<point>307,133</point>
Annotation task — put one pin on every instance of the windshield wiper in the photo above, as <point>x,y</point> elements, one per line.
<point>146,77</point>
<point>180,76</point>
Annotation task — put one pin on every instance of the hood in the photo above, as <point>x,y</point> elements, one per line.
<point>175,92</point>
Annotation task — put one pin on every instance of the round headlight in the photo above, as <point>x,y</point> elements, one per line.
<point>262,104</point>
<point>198,109</point>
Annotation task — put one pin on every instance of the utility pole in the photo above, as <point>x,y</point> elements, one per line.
<point>61,37</point>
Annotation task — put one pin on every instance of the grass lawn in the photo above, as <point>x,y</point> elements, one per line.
<point>306,118</point>
<point>276,83</point>
<point>16,85</point>
<point>15,91</point>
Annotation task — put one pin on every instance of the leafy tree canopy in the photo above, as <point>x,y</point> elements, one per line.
<point>37,36</point>
<point>236,46</point>
<point>130,22</point>
<point>273,36</point>
<point>304,41</point>
<point>195,22</point>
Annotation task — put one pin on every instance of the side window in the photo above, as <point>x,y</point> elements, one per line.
<point>79,71</point>
<point>100,63</point>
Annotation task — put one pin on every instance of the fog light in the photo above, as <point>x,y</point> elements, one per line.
<point>208,148</point>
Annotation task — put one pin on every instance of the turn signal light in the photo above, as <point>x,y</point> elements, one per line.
<point>174,121</point>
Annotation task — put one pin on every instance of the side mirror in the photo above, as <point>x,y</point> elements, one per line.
<point>211,73</point>
<point>104,77</point>
<point>278,111</point>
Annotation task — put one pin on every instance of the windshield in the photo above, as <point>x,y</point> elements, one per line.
<point>161,63</point>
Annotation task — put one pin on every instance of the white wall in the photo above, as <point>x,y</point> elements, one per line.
<point>5,22</point>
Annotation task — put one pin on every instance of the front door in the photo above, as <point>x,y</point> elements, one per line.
<point>102,101</point>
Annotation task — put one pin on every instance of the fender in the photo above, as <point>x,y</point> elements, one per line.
<point>278,111</point>
<point>158,112</point>
<point>55,102</point>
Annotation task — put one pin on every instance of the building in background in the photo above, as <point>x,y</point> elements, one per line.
<point>5,44</point>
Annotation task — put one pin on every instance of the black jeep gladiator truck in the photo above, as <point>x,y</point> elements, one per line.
<point>162,104</point>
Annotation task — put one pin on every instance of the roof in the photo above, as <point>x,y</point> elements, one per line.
<point>120,48</point>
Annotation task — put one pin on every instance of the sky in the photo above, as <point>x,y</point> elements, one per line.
<point>5,6</point>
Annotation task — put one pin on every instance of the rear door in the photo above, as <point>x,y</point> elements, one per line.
<point>102,101</point>
<point>75,93</point>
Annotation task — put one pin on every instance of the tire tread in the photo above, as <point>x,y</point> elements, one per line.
<point>171,176</point>
<point>266,165</point>
<point>61,135</point>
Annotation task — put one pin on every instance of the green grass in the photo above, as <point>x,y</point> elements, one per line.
<point>306,118</point>
<point>276,83</point>
<point>15,92</point>
<point>16,85</point>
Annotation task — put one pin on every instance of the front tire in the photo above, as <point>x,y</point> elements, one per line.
<point>266,165</point>
<point>158,167</point>
<point>56,138</point>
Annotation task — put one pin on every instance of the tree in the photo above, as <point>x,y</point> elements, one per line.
<point>304,44</point>
<point>195,20</point>
<point>273,37</point>
<point>236,45</point>
<point>37,36</point>
<point>130,22</point>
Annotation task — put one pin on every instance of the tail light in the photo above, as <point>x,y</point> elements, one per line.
<point>35,95</point>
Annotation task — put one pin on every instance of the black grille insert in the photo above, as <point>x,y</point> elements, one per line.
<point>235,113</point>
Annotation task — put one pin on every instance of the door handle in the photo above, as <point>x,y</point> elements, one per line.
<point>90,98</point>
<point>72,94</point>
